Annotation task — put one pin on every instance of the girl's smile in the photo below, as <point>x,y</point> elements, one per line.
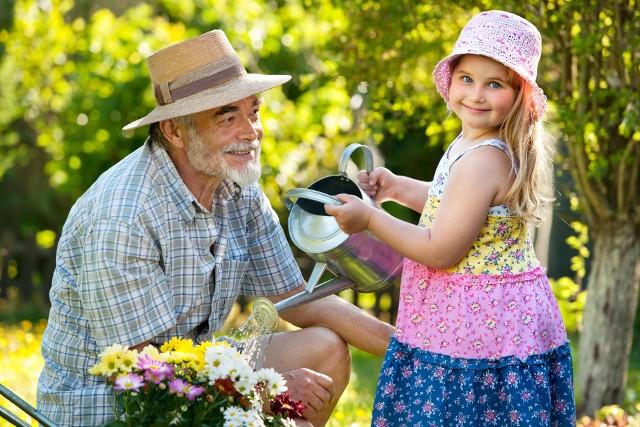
<point>481,94</point>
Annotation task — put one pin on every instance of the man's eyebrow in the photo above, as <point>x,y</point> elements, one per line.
<point>232,108</point>
<point>226,109</point>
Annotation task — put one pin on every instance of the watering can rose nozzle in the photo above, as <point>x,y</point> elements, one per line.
<point>265,314</point>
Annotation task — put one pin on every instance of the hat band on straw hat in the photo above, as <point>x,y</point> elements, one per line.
<point>198,80</point>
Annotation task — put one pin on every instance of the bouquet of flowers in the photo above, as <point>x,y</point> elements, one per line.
<point>208,385</point>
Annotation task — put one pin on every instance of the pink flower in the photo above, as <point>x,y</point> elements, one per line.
<point>428,407</point>
<point>129,381</point>
<point>159,374</point>
<point>145,361</point>
<point>154,370</point>
<point>180,386</point>
<point>490,415</point>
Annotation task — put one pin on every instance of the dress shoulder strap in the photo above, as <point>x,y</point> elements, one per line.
<point>491,142</point>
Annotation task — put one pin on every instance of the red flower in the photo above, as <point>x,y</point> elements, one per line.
<point>225,386</point>
<point>284,406</point>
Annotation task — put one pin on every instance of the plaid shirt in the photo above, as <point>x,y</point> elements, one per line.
<point>140,259</point>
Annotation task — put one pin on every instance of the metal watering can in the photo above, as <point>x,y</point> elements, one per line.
<point>360,261</point>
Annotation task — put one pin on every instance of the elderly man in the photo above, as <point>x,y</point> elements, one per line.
<point>165,241</point>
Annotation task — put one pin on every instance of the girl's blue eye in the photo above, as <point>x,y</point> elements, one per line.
<point>495,85</point>
<point>467,79</point>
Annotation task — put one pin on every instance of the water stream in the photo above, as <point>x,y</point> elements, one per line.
<point>262,320</point>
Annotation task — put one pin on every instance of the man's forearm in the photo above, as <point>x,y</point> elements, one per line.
<point>354,325</point>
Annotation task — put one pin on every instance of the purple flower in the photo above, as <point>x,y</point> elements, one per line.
<point>145,361</point>
<point>154,370</point>
<point>129,381</point>
<point>159,374</point>
<point>180,386</point>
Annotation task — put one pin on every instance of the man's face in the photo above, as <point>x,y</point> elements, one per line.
<point>225,142</point>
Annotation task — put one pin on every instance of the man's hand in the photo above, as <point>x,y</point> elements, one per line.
<point>313,388</point>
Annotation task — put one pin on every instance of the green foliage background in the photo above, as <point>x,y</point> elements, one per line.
<point>72,73</point>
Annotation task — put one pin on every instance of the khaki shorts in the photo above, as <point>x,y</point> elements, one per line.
<point>253,350</point>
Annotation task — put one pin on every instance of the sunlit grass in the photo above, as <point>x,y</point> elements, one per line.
<point>354,409</point>
<point>20,364</point>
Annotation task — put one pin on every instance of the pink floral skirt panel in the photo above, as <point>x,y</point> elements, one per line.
<point>478,316</point>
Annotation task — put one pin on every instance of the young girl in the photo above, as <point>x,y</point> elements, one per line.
<point>479,337</point>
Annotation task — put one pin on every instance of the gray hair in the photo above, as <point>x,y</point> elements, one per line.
<point>156,135</point>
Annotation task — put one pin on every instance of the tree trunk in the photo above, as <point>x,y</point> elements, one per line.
<point>612,298</point>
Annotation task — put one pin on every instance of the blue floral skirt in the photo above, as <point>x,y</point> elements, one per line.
<point>418,388</point>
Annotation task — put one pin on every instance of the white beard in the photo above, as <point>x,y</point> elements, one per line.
<point>206,162</point>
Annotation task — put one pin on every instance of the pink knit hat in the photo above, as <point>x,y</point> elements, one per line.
<point>504,37</point>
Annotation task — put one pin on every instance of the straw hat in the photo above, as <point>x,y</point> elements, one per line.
<point>199,74</point>
<point>504,37</point>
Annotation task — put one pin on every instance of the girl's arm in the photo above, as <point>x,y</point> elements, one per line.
<point>384,185</point>
<point>476,181</point>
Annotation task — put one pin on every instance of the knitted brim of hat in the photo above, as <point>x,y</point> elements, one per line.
<point>224,94</point>
<point>442,78</point>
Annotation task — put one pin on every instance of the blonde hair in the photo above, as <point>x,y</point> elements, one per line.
<point>531,148</point>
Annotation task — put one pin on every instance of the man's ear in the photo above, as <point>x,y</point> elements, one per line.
<point>175,134</point>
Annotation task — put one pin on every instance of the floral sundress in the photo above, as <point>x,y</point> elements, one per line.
<point>482,343</point>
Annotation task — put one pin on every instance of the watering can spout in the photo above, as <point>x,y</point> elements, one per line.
<point>313,290</point>
<point>267,313</point>
<point>331,286</point>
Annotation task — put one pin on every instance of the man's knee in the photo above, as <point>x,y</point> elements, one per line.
<point>317,348</point>
<point>331,353</point>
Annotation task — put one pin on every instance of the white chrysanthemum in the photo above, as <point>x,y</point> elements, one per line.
<point>236,417</point>
<point>246,382</point>
<point>274,382</point>
<point>223,361</point>
<point>218,353</point>
<point>232,417</point>
<point>288,422</point>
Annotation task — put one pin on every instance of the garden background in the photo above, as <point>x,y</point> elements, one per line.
<point>72,73</point>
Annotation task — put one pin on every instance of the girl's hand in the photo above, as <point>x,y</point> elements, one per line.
<point>353,216</point>
<point>379,184</point>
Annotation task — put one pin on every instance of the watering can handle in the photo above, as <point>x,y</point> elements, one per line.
<point>307,193</point>
<point>344,160</point>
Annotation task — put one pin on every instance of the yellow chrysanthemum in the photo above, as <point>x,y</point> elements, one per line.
<point>112,363</point>
<point>180,358</point>
<point>114,350</point>
<point>129,359</point>
<point>178,344</point>
<point>97,370</point>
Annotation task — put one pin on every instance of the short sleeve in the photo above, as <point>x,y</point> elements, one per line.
<point>123,288</point>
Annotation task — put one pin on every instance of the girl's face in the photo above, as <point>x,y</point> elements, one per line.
<point>481,93</point>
